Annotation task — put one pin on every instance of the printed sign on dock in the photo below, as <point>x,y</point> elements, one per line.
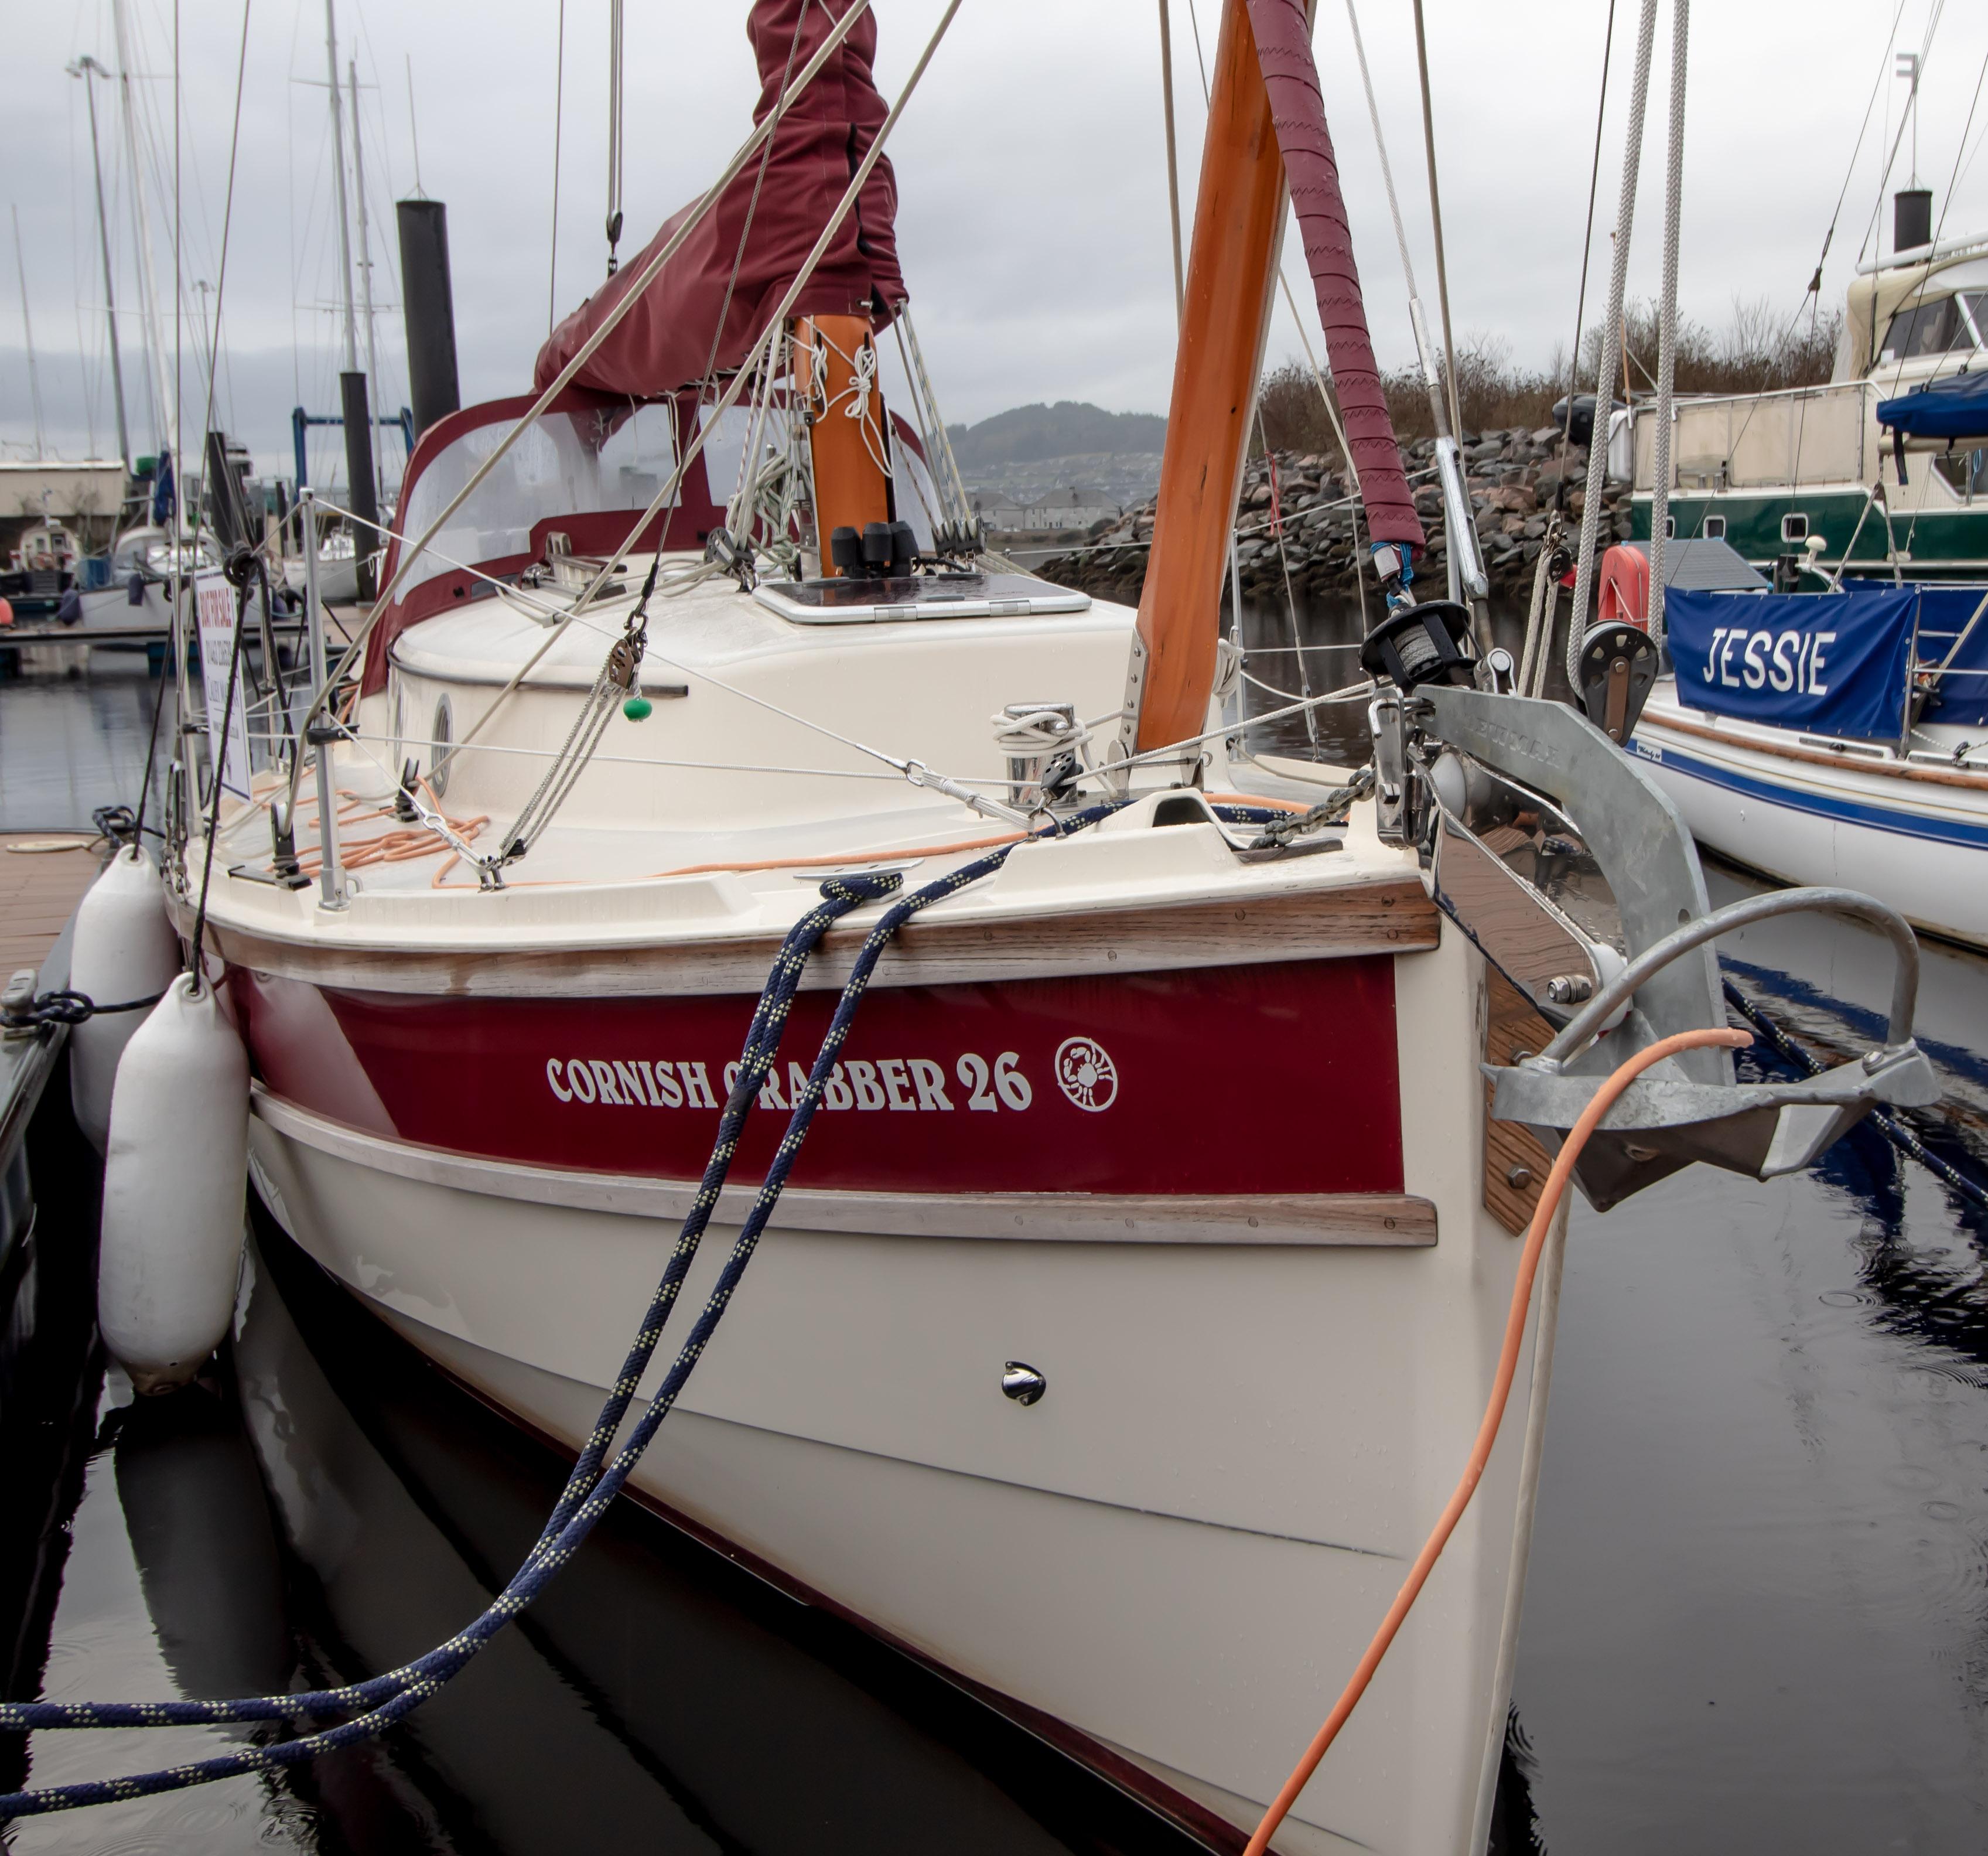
<point>214,601</point>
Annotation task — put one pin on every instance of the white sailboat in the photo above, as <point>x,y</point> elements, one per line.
<point>1131,1308</point>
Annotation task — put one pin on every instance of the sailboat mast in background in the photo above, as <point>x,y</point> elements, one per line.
<point>86,68</point>
<point>352,383</point>
<point>27,329</point>
<point>165,388</point>
<point>365,261</point>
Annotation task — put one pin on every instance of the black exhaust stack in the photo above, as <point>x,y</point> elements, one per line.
<point>1911,219</point>
<point>430,310</point>
<point>359,472</point>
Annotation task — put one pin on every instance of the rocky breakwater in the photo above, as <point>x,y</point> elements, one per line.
<point>1515,480</point>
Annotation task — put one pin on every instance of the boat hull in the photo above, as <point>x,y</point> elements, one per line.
<point>1257,1402</point>
<point>1791,809</point>
<point>1934,542</point>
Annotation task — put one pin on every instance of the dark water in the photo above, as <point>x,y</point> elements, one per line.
<point>74,727</point>
<point>1757,1616</point>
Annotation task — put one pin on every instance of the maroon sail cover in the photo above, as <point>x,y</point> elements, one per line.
<point>667,340</point>
<point>1282,33</point>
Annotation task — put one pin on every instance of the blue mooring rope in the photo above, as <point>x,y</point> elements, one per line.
<point>589,1489</point>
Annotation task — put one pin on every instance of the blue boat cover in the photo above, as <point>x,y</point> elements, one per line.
<point>1826,663</point>
<point>1956,407</point>
<point>1960,697</point>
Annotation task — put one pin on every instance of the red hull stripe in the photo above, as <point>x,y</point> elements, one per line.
<point>1275,1078</point>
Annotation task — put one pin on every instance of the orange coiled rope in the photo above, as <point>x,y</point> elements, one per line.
<point>1494,1413</point>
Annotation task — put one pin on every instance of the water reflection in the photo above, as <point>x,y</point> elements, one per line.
<point>73,737</point>
<point>656,1693</point>
<point>1758,1609</point>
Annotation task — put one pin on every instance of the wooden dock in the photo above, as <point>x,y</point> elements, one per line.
<point>40,887</point>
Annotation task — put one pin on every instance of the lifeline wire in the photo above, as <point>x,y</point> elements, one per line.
<point>591,1487</point>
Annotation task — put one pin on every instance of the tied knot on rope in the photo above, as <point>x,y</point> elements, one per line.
<point>117,824</point>
<point>63,1007</point>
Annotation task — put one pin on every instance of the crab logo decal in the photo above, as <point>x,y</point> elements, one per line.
<point>1086,1074</point>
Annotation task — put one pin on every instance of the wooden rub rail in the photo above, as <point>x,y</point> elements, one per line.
<point>1391,917</point>
<point>1389,1221</point>
<point>1812,757</point>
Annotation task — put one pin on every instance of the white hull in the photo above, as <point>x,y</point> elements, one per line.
<point>1796,808</point>
<point>1178,1554</point>
<point>337,578</point>
<point>109,609</point>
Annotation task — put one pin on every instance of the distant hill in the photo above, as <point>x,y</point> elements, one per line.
<point>1071,429</point>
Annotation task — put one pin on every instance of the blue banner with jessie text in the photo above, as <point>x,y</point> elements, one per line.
<point>1827,663</point>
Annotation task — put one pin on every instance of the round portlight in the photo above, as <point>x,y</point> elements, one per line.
<point>440,736</point>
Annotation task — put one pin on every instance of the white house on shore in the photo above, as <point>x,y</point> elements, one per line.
<point>1076,507</point>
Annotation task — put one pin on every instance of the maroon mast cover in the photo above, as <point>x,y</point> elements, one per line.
<point>666,341</point>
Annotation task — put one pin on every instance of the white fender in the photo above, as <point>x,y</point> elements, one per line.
<point>124,948</point>
<point>175,1185</point>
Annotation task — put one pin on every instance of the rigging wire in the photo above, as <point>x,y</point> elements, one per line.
<point>1435,220</point>
<point>1898,380</point>
<point>615,133</point>
<point>709,376</point>
<point>1587,247</point>
<point>1618,277</point>
<point>413,124</point>
<point>559,127</point>
<point>1666,319</point>
<point>566,374</point>
<point>776,322</point>
<point>1173,159</point>
<point>1910,115</point>
<point>1812,298</point>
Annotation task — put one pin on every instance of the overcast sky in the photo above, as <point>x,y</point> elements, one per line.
<point>1031,166</point>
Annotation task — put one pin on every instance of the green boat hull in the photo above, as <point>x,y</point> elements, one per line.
<point>1932,544</point>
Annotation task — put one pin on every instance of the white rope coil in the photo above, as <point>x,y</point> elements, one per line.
<point>1036,732</point>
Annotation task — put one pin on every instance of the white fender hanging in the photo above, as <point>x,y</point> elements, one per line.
<point>175,1184</point>
<point>124,949</point>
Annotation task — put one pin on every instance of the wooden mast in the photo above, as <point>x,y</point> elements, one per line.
<point>1238,219</point>
<point>835,377</point>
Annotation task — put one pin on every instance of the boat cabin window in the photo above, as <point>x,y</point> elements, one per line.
<point>1967,471</point>
<point>916,596</point>
<point>1715,528</point>
<point>1794,528</point>
<point>1944,327</point>
<point>568,463</point>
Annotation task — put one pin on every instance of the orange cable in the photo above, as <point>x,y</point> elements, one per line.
<point>1494,1412</point>
<point>864,857</point>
